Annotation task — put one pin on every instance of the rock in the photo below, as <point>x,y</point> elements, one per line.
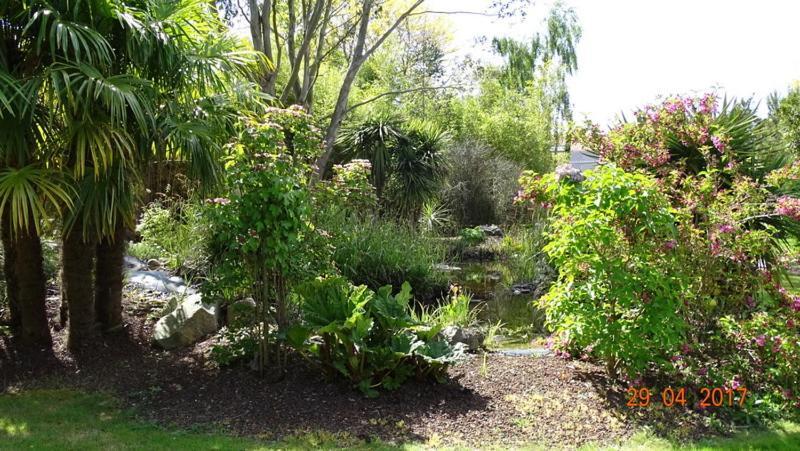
<point>154,264</point>
<point>188,323</point>
<point>530,352</point>
<point>491,230</point>
<point>446,268</point>
<point>241,312</point>
<point>472,337</point>
<point>133,264</point>
<point>522,288</point>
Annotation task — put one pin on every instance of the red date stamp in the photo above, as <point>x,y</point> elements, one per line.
<point>672,396</point>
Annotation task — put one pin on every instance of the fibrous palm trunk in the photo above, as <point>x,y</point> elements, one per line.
<point>31,288</point>
<point>108,279</point>
<point>12,289</point>
<point>77,285</point>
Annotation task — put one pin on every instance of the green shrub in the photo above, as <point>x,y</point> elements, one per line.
<point>479,187</point>
<point>671,268</point>
<point>618,293</point>
<point>472,236</point>
<point>176,235</point>
<point>370,338</point>
<point>259,229</point>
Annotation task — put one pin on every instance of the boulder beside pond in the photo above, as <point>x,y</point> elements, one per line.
<point>472,337</point>
<point>187,324</point>
<point>491,230</point>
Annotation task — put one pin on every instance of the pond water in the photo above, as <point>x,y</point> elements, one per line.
<point>492,287</point>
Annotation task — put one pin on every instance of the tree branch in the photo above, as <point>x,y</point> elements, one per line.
<point>472,13</point>
<point>391,29</point>
<point>402,91</point>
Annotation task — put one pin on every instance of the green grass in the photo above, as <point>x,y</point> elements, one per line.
<point>69,420</point>
<point>782,436</point>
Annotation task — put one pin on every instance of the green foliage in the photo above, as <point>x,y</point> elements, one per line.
<point>525,62</point>
<point>618,293</point>
<point>348,191</point>
<point>177,235</point>
<point>707,207</point>
<point>523,245</point>
<point>405,159</point>
<point>434,218</point>
<point>479,187</point>
<point>517,125</point>
<point>369,337</point>
<point>472,236</point>
<point>456,311</point>
<point>258,231</point>
<point>785,117</point>
<point>377,252</point>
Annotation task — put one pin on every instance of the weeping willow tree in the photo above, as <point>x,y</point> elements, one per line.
<point>547,56</point>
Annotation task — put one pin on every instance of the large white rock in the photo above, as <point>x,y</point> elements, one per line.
<point>188,323</point>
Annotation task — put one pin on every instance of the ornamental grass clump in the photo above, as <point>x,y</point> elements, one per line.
<point>669,254</point>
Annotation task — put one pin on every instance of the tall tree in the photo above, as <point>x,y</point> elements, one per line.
<point>93,91</point>
<point>301,35</point>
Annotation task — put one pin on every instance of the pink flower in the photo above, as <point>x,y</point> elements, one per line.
<point>719,144</point>
<point>715,247</point>
<point>670,245</point>
<point>761,340</point>
<point>725,228</point>
<point>751,303</point>
<point>686,348</point>
<point>788,206</point>
<point>735,383</point>
<point>790,324</point>
<point>219,201</point>
<point>708,104</point>
<point>776,344</point>
<point>702,371</point>
<point>796,304</point>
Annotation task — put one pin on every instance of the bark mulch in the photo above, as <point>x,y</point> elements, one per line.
<point>501,401</point>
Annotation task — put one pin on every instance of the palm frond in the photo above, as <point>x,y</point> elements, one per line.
<point>28,192</point>
<point>73,41</point>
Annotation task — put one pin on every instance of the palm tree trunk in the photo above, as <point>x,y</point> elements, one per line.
<point>12,288</point>
<point>77,285</point>
<point>108,279</point>
<point>31,288</point>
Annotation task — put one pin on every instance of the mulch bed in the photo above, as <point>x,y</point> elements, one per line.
<point>499,400</point>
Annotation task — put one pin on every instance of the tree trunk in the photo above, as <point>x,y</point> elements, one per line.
<point>31,288</point>
<point>336,119</point>
<point>108,279</point>
<point>12,287</point>
<point>77,285</point>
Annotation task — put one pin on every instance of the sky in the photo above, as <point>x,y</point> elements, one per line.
<point>633,51</point>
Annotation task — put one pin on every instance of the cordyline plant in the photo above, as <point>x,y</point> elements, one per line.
<point>706,213</point>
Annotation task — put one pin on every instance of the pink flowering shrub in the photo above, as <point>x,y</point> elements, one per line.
<point>723,317</point>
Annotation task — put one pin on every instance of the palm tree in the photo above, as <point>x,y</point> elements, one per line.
<point>419,168</point>
<point>92,90</point>
<point>373,139</point>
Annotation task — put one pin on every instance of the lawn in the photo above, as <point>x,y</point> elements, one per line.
<point>70,420</point>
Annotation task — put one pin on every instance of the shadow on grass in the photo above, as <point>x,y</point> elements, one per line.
<point>182,389</point>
